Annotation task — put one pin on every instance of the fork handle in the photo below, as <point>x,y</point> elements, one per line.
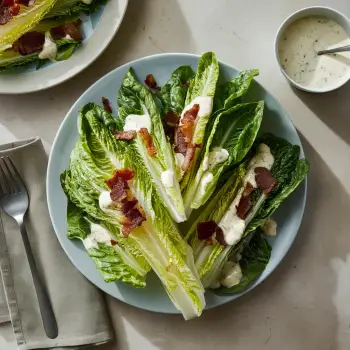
<point>47,315</point>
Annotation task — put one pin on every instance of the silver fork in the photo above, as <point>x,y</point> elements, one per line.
<point>14,201</point>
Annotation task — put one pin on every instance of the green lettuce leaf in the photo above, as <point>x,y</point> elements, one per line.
<point>255,257</point>
<point>203,85</point>
<point>27,19</point>
<point>234,131</point>
<point>287,169</point>
<point>10,60</point>
<point>74,7</point>
<point>136,99</point>
<point>158,239</point>
<point>114,262</point>
<point>230,93</point>
<point>173,93</point>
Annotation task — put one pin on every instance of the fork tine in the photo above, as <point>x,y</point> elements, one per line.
<point>4,184</point>
<point>17,183</point>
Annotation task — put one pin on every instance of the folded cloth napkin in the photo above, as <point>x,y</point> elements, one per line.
<point>79,307</point>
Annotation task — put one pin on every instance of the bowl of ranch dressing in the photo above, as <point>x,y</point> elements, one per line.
<point>298,40</point>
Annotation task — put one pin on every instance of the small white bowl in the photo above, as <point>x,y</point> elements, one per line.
<point>305,12</point>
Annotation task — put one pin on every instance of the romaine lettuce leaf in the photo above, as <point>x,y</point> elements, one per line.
<point>230,93</point>
<point>233,132</point>
<point>136,99</point>
<point>287,169</point>
<point>203,85</point>
<point>255,257</point>
<point>158,239</point>
<point>173,93</point>
<point>27,19</point>
<point>10,60</point>
<point>115,262</point>
<point>73,7</point>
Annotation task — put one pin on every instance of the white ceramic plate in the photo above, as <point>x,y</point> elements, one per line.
<point>99,29</point>
<point>153,297</point>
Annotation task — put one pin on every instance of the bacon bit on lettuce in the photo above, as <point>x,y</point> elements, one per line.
<point>190,152</point>
<point>188,122</point>
<point>171,118</point>
<point>72,29</point>
<point>29,43</point>
<point>119,190</point>
<point>14,9</point>
<point>151,82</point>
<point>219,236</point>
<point>125,135</point>
<point>265,180</point>
<point>135,218</point>
<point>244,206</point>
<point>121,194</point>
<point>181,144</point>
<point>147,139</point>
<point>207,229</point>
<point>113,242</point>
<point>125,174</point>
<point>106,105</point>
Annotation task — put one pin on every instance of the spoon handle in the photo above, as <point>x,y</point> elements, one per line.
<point>337,49</point>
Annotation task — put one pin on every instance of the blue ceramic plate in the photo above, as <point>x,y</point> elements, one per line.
<point>98,29</point>
<point>153,297</point>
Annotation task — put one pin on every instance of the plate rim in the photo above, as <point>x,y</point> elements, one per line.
<point>226,298</point>
<point>23,83</point>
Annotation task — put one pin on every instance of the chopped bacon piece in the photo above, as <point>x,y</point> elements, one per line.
<point>188,122</point>
<point>135,218</point>
<point>113,242</point>
<point>106,105</point>
<point>206,229</point>
<point>244,206</point>
<point>171,118</point>
<point>248,189</point>
<point>181,144</point>
<point>147,139</point>
<point>151,82</point>
<point>126,174</point>
<point>5,15</point>
<point>265,180</point>
<point>7,3</point>
<point>219,236</point>
<point>119,190</point>
<point>29,43</point>
<point>14,10</point>
<point>128,205</point>
<point>72,29</point>
<point>125,135</point>
<point>191,149</point>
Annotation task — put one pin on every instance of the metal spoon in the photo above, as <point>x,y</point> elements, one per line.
<point>337,49</point>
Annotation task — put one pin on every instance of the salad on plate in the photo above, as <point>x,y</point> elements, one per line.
<point>38,31</point>
<point>189,151</point>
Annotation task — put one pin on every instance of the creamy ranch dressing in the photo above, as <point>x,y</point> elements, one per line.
<point>298,47</point>
<point>98,235</point>
<point>168,178</point>
<point>231,274</point>
<point>137,122</point>
<point>205,106</point>
<point>216,156</point>
<point>233,227</point>
<point>49,50</point>
<point>105,202</point>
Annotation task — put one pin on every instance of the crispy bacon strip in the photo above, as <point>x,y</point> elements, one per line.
<point>219,236</point>
<point>29,43</point>
<point>150,81</point>
<point>190,152</point>
<point>181,144</point>
<point>244,206</point>
<point>106,105</point>
<point>119,190</point>
<point>135,218</point>
<point>265,180</point>
<point>206,230</point>
<point>188,122</point>
<point>72,29</point>
<point>147,139</point>
<point>125,174</point>
<point>124,135</point>
<point>113,242</point>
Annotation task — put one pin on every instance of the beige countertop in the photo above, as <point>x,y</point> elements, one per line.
<point>304,305</point>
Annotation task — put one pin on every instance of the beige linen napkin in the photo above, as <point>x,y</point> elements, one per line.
<point>79,307</point>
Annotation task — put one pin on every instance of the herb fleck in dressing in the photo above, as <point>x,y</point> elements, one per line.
<point>298,49</point>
